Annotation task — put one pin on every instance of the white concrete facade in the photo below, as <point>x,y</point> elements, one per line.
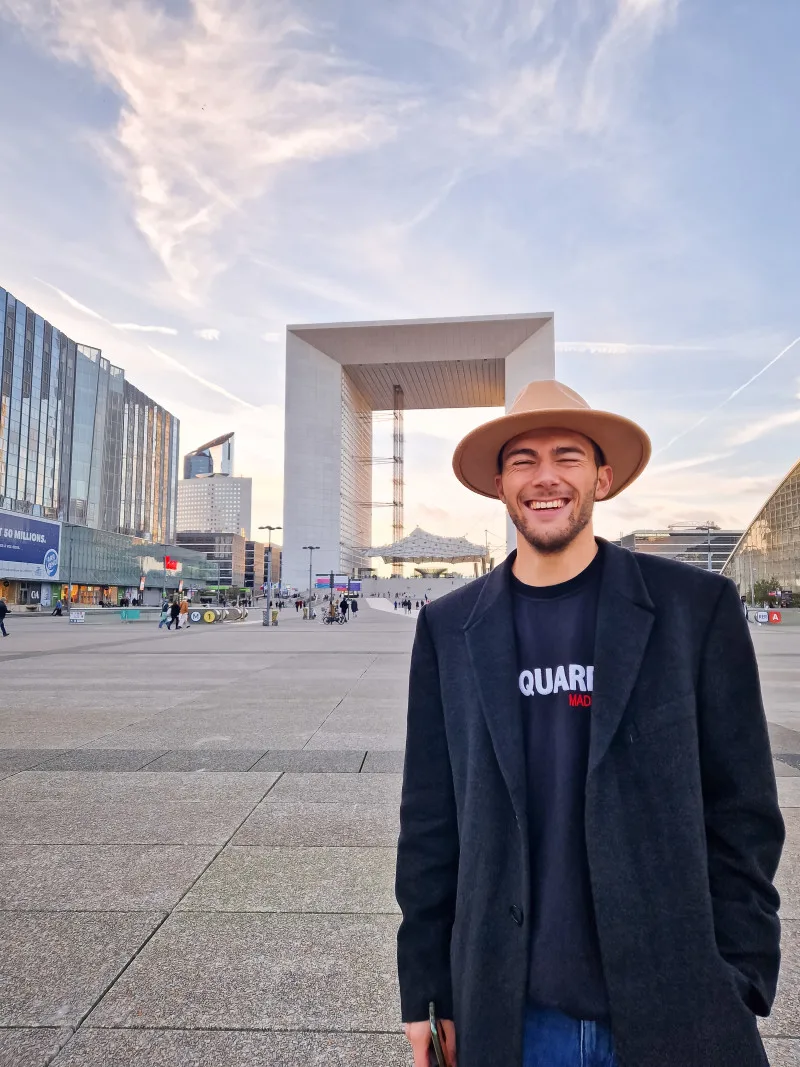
<point>338,374</point>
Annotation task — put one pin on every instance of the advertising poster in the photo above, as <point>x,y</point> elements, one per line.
<point>323,581</point>
<point>29,548</point>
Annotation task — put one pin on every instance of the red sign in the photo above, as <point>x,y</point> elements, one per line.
<point>774,616</point>
<point>170,564</point>
<point>141,584</point>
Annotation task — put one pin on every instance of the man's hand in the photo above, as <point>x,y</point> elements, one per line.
<point>419,1036</point>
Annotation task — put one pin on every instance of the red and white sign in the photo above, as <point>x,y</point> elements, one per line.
<point>774,616</point>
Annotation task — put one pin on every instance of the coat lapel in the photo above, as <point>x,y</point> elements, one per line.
<point>624,621</point>
<point>491,643</point>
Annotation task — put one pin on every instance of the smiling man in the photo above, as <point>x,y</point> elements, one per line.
<point>589,820</point>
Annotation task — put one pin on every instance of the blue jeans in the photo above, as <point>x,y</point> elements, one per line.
<point>553,1039</point>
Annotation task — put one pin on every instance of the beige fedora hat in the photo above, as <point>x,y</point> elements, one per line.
<point>550,405</point>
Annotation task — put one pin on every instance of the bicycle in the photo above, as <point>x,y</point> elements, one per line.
<point>329,620</point>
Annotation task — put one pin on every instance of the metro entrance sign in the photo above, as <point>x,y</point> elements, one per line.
<point>768,616</point>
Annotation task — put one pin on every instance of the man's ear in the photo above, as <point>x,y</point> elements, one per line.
<point>605,477</point>
<point>498,484</point>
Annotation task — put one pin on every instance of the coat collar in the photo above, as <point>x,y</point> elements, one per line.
<point>624,621</point>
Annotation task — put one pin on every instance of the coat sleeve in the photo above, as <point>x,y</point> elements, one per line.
<point>427,851</point>
<point>744,827</point>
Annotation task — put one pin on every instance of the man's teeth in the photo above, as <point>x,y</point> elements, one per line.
<point>542,505</point>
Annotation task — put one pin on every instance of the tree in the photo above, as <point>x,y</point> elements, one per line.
<point>762,589</point>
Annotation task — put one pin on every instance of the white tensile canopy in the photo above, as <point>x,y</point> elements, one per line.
<point>423,547</point>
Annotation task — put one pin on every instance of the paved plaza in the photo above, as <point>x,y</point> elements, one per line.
<point>197,836</point>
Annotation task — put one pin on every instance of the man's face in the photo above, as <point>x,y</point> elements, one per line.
<point>549,483</point>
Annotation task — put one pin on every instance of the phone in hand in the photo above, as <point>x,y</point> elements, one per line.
<point>437,1060</point>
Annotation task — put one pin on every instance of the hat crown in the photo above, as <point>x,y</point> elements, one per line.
<point>545,395</point>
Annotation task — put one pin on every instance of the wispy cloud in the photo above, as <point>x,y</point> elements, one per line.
<point>684,464</point>
<point>220,98</point>
<point>207,334</point>
<point>620,348</point>
<point>216,102</point>
<point>761,427</point>
<point>177,365</point>
<point>135,327</point>
<point>73,303</point>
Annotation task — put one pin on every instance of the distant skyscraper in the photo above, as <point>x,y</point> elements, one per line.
<point>215,457</point>
<point>77,441</point>
<point>210,498</point>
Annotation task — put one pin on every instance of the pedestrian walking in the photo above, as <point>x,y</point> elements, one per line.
<point>174,614</point>
<point>183,616</point>
<point>3,613</point>
<point>343,608</point>
<point>589,827</point>
<point>353,608</point>
<point>164,613</point>
<point>395,605</point>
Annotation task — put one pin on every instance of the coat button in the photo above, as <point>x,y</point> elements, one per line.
<point>516,914</point>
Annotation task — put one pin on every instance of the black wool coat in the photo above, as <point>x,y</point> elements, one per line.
<point>682,822</point>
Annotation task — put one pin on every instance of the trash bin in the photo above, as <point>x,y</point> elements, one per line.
<point>265,617</point>
<point>305,613</point>
<point>274,616</point>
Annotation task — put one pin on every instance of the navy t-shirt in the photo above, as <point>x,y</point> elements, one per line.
<point>555,629</point>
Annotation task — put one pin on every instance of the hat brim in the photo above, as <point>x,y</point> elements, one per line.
<point>625,445</point>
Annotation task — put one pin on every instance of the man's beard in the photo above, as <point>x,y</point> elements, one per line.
<point>549,544</point>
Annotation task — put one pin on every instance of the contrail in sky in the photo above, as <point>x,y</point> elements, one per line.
<point>727,399</point>
<point>199,378</point>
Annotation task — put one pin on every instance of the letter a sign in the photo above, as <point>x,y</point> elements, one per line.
<point>774,616</point>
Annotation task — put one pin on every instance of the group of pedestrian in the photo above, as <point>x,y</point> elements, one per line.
<point>175,611</point>
<point>405,604</point>
<point>348,608</point>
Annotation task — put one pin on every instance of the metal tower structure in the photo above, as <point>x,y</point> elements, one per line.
<point>398,479</point>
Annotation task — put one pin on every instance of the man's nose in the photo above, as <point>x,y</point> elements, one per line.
<point>546,475</point>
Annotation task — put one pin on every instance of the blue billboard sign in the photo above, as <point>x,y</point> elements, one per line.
<point>29,548</point>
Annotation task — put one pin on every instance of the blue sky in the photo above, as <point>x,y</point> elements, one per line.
<point>218,168</point>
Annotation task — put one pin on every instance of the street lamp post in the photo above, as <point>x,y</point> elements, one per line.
<point>269,565</point>
<point>311,550</point>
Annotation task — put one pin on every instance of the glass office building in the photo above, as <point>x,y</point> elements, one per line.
<point>37,389</point>
<point>77,441</point>
<point>769,549</point>
<point>214,457</point>
<point>695,546</point>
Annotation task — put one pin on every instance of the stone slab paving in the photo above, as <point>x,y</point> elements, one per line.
<point>230,901</point>
<point>205,1048</point>
<point>208,760</point>
<point>56,966</point>
<point>261,972</point>
<point>27,1047</point>
<point>338,880</point>
<point>308,824</point>
<point>110,759</point>
<point>383,762</point>
<point>307,760</point>
<point>157,822</point>
<point>339,788</point>
<point>98,877</point>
